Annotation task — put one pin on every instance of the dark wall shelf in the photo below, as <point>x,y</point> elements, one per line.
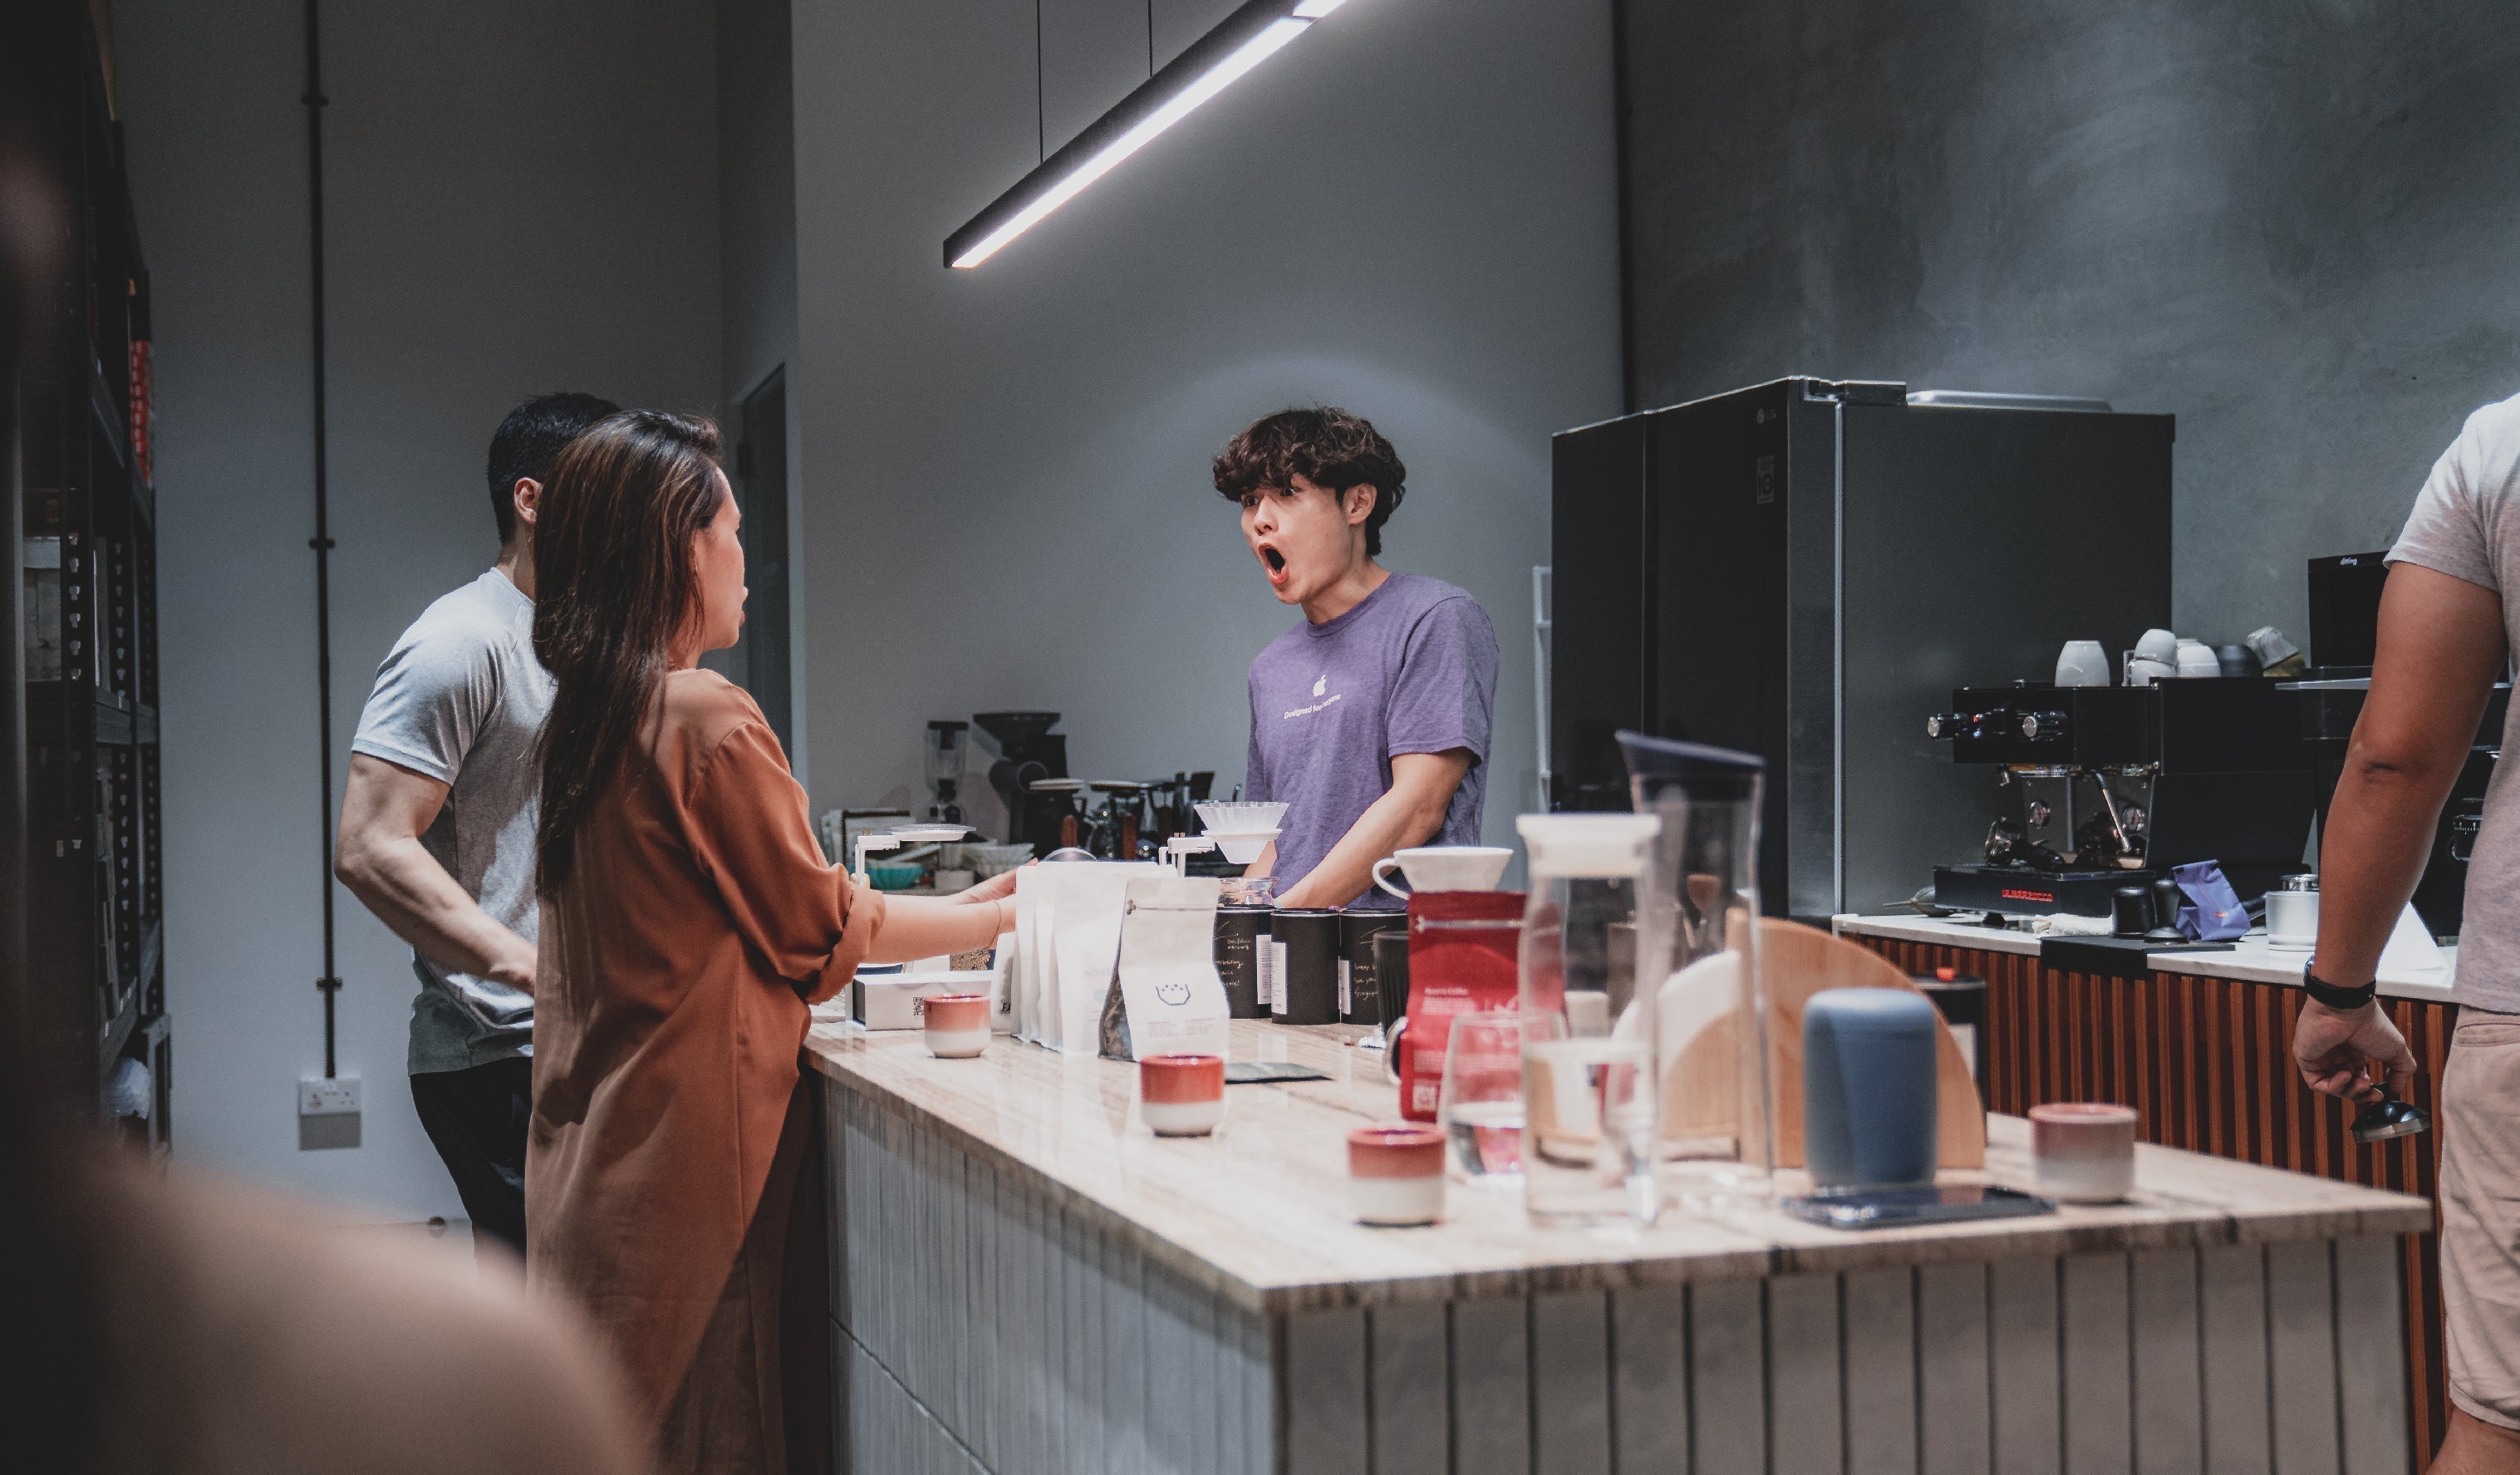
<point>93,973</point>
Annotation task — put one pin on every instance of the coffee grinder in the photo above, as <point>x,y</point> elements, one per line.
<point>944,765</point>
<point>1028,752</point>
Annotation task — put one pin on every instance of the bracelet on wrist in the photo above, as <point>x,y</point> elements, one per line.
<point>2322,992</point>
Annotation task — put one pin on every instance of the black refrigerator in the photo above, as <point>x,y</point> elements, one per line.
<point>1805,569</point>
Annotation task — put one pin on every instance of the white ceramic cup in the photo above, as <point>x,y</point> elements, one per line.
<point>2292,920</point>
<point>2082,663</point>
<point>2083,1151</point>
<point>1444,867</point>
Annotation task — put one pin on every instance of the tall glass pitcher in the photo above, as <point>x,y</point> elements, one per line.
<point>1589,1098</point>
<point>1697,959</point>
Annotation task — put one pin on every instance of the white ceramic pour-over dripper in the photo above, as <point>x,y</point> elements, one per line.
<point>1239,816</point>
<point>1242,848</point>
<point>1444,867</point>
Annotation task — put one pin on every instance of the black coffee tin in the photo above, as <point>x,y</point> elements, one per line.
<point>1391,970</point>
<point>1304,981</point>
<point>1242,943</point>
<point>1961,997</point>
<point>1361,996</point>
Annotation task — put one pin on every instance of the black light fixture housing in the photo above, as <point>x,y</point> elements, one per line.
<point>1209,65</point>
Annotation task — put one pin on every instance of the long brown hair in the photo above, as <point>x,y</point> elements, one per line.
<point>614,586</point>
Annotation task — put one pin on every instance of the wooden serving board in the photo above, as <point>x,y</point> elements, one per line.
<point>1705,1094</point>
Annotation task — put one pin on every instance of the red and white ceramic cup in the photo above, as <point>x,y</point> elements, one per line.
<point>957,1024</point>
<point>1182,1095</point>
<point>2083,1151</point>
<point>1395,1174</point>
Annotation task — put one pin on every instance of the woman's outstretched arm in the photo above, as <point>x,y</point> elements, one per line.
<point>923,926</point>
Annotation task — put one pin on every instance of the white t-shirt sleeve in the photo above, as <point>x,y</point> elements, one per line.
<point>432,695</point>
<point>2446,531</point>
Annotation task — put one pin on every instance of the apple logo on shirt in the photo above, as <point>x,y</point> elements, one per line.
<point>1319,687</point>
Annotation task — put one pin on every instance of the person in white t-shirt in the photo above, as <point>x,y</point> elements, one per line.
<point>437,831</point>
<point>2445,633</point>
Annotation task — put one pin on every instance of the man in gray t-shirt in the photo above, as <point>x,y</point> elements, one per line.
<point>1370,720</point>
<point>2446,629</point>
<point>437,831</point>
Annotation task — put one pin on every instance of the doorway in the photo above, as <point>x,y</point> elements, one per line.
<point>758,662</point>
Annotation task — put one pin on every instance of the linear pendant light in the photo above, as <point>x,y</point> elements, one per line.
<point>1239,42</point>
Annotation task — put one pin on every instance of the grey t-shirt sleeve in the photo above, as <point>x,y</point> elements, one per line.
<point>1445,695</point>
<point>431,696</point>
<point>2447,530</point>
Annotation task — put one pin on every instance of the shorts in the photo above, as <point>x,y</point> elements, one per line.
<point>2480,1206</point>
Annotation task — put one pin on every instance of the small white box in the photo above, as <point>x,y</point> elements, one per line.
<point>892,1000</point>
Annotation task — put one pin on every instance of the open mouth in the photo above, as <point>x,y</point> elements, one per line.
<point>1276,560</point>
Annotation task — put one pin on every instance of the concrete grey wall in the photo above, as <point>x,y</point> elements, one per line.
<point>1410,211</point>
<point>2291,225</point>
<point>756,155</point>
<point>519,197</point>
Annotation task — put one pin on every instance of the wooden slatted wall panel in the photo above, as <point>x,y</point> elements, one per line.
<point>2207,1065</point>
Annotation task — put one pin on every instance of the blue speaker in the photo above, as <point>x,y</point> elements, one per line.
<point>1868,1089</point>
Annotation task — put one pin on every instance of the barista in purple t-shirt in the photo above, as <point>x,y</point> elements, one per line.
<point>1370,720</point>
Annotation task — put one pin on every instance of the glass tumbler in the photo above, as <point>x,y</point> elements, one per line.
<point>1587,1059</point>
<point>1697,943</point>
<point>1481,1101</point>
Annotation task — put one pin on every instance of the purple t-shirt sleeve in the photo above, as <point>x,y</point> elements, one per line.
<point>1445,696</point>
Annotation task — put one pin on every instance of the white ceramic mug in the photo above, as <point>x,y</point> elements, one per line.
<point>2292,915</point>
<point>2082,663</point>
<point>1444,867</point>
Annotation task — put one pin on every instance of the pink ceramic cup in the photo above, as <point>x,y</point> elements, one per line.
<point>2083,1151</point>
<point>1395,1174</point>
<point>957,1024</point>
<point>1182,1095</point>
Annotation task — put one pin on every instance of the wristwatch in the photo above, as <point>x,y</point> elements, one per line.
<point>2336,998</point>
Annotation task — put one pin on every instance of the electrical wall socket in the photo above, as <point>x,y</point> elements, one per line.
<point>328,1114</point>
<point>335,1095</point>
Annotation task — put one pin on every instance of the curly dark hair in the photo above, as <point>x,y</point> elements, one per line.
<point>1325,445</point>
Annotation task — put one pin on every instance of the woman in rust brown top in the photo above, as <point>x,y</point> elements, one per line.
<point>689,918</point>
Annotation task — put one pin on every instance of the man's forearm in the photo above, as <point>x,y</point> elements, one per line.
<point>403,884</point>
<point>1393,823</point>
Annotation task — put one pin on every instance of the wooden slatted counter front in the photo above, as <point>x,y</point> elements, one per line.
<point>2201,1044</point>
<point>1025,1279</point>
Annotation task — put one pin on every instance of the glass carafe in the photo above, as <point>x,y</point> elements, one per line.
<point>1697,959</point>
<point>1587,1057</point>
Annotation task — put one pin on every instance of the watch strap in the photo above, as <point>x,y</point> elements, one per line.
<point>2338,998</point>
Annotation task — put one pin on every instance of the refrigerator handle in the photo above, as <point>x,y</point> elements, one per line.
<point>1540,631</point>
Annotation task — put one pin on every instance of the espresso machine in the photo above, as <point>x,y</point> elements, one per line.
<point>1028,752</point>
<point>2100,787</point>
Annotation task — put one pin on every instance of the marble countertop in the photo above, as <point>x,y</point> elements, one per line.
<point>1258,1212</point>
<point>1940,931</point>
<point>2250,958</point>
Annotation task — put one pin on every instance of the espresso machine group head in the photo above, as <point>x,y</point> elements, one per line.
<point>2102,787</point>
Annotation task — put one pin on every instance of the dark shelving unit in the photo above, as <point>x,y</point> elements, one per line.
<point>94,940</point>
